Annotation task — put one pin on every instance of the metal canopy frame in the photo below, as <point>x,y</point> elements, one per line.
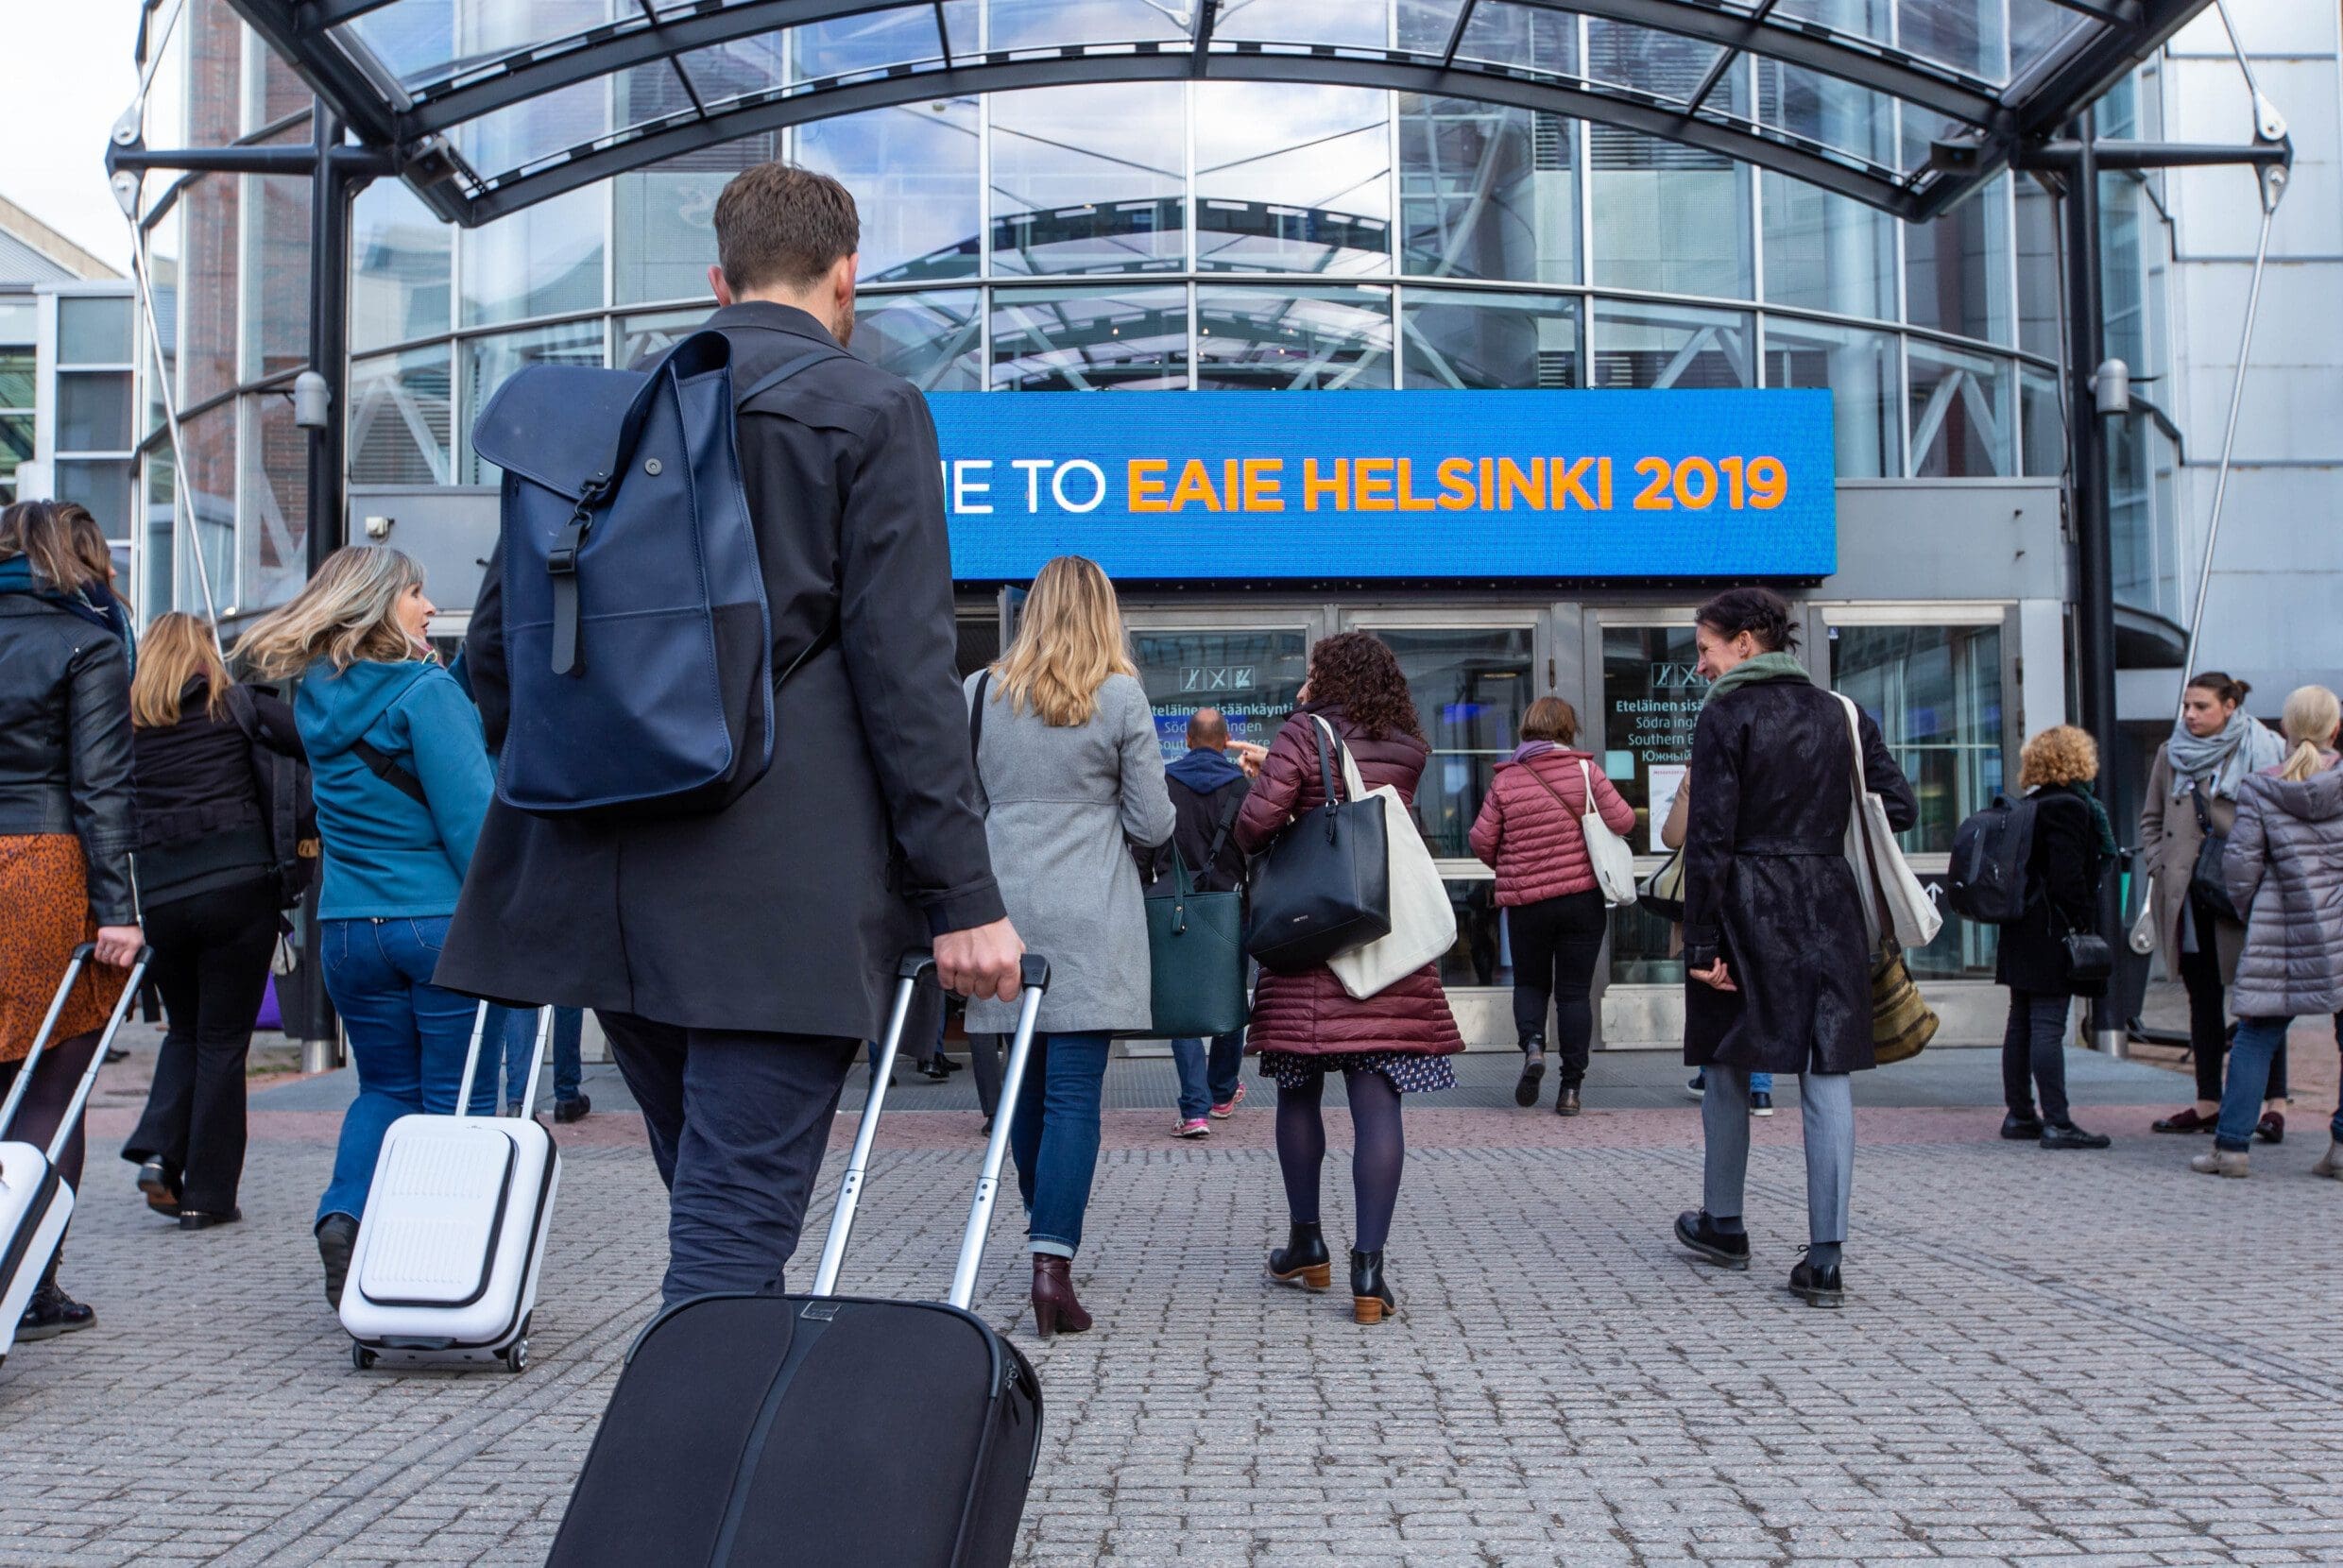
<point>417,124</point>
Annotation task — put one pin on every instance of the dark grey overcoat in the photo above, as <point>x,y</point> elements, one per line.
<point>1767,885</point>
<point>786,911</point>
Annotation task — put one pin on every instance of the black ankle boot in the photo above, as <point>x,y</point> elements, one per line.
<point>1532,1068</point>
<point>51,1312</point>
<point>1567,1100</point>
<point>1303,1260</point>
<point>1370,1298</point>
<point>337,1238</point>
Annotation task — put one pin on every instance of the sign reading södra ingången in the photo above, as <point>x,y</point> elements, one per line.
<point>1246,486</point>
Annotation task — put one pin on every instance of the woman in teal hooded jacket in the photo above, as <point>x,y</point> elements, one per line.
<point>401,780</point>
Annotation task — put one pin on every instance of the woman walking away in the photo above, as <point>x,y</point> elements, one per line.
<point>1069,764</point>
<point>2215,744</point>
<point>1777,959</point>
<point>401,776</point>
<point>65,832</point>
<point>207,879</point>
<point>1306,1026</point>
<point>2063,877</point>
<point>1529,833</point>
<point>2285,871</point>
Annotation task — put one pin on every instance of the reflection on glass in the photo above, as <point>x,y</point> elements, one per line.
<point>15,448</point>
<point>1073,340</point>
<point>912,171</point>
<point>207,315</point>
<point>1968,35</point>
<point>1935,692</point>
<point>272,548</point>
<point>1644,949</point>
<point>1254,676</point>
<point>1034,24</point>
<point>1650,702</point>
<point>1665,345</point>
<point>398,420</point>
<point>1828,110</point>
<point>867,43</point>
<point>1827,252</point>
<point>1293,340</point>
<point>1456,338</point>
<point>1859,369</point>
<point>541,260</point>
<point>103,487</point>
<point>211,500</point>
<point>1481,955</point>
<point>489,362</point>
<point>95,329</point>
<point>17,317</point>
<point>17,367</point>
<point>94,411</point>
<point>1344,22</point>
<point>2038,308</point>
<point>1487,190</point>
<point>1964,406</point>
<point>1090,179</point>
<point>1956,269</point>
<point>1292,179</point>
<point>930,340</point>
<point>2045,423</point>
<point>2143,521</point>
<point>1520,38</point>
<point>640,337</point>
<point>663,234</point>
<point>1667,216</point>
<point>398,267</point>
<point>1471,686</point>
<point>275,276</point>
<point>154,593</point>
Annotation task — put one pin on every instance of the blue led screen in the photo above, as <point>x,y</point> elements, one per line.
<point>1244,485</point>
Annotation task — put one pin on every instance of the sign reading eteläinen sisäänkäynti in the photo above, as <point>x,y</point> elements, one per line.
<point>1398,485</point>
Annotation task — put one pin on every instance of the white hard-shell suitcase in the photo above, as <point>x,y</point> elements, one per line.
<point>35,1201</point>
<point>445,1268</point>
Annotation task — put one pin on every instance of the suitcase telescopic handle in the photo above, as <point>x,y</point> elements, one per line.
<point>88,1086</point>
<point>915,968</point>
<point>471,1059</point>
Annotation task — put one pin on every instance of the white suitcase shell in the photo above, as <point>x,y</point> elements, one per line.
<point>35,1201</point>
<point>445,1270</point>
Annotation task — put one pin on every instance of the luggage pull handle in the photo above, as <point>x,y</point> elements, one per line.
<point>915,968</point>
<point>88,1086</point>
<point>536,1061</point>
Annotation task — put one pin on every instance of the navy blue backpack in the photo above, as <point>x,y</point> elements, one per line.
<point>636,637</point>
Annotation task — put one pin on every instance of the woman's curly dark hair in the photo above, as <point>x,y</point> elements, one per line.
<point>1358,673</point>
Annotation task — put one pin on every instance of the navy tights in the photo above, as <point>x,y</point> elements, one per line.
<point>1378,1155</point>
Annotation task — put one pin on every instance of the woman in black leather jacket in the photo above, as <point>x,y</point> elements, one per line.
<point>66,826</point>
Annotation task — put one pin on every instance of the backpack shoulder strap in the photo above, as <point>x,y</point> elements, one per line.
<point>382,766</point>
<point>773,379</point>
<point>1220,827</point>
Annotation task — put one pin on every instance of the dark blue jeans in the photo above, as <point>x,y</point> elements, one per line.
<point>2249,1055</point>
<point>407,1040</point>
<point>1208,1079</point>
<point>1056,1136</point>
<point>518,1031</point>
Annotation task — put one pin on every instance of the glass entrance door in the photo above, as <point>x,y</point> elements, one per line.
<point>1252,673</point>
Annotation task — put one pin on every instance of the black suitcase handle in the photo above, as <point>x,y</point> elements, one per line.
<point>918,964</point>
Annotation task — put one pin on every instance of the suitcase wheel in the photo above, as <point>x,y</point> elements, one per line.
<point>361,1357</point>
<point>517,1359</point>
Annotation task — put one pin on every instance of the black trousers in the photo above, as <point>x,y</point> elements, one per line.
<point>212,952</point>
<point>1556,942</point>
<point>2208,1017</point>
<point>738,1123</point>
<point>2033,1054</point>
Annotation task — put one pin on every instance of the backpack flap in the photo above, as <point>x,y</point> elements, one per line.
<point>554,424</point>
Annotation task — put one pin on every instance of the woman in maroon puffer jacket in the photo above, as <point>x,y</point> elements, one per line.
<point>1305,1024</point>
<point>1529,832</point>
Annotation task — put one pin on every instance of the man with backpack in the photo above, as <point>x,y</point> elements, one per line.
<point>738,955</point>
<point>1207,790</point>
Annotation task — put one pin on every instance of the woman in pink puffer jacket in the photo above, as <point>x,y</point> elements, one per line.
<point>1529,833</point>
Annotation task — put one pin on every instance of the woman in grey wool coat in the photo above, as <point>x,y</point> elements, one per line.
<point>1070,767</point>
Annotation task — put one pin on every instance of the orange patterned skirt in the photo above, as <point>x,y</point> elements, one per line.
<point>45,896</point>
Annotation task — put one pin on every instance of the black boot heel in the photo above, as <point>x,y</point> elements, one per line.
<point>1303,1260</point>
<point>1370,1298</point>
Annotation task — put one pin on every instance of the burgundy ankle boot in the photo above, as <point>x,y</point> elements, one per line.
<point>1055,1307</point>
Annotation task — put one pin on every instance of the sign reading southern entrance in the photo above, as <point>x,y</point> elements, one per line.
<point>1239,485</point>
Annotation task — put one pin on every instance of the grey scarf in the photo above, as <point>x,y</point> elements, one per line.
<point>2221,761</point>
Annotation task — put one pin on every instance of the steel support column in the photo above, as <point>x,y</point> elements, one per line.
<point>330,188</point>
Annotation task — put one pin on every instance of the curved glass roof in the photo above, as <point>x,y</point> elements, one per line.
<point>1907,105</point>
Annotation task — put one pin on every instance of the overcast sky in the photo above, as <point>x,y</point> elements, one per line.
<point>69,78</point>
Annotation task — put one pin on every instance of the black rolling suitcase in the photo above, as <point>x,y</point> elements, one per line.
<point>819,1430</point>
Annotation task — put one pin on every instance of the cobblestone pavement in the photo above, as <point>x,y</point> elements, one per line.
<point>2075,1358</point>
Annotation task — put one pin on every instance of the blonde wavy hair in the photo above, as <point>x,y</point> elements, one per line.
<point>177,647</point>
<point>345,614</point>
<point>2309,721</point>
<point>1068,641</point>
<point>2060,754</point>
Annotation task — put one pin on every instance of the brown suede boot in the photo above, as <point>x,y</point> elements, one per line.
<point>1055,1308</point>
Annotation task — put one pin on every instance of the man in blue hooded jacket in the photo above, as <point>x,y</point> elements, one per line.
<point>1207,790</point>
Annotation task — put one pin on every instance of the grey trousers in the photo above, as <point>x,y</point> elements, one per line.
<point>1826,1108</point>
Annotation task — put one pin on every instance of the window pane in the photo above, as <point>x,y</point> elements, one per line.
<point>16,320</point>
<point>211,491</point>
<point>96,330</point>
<point>1651,701</point>
<point>1860,370</point>
<point>274,277</point>
<point>1667,218</point>
<point>1254,678</point>
<point>1292,179</point>
<point>272,536</point>
<point>1664,346</point>
<point>399,270</point>
<point>1962,406</point>
<point>1074,340</point>
<point>399,418</point>
<point>1302,340</point>
<point>1090,179</point>
<point>641,336</point>
<point>1644,949</point>
<point>1956,269</point>
<point>541,260</point>
<point>1483,955</point>
<point>2045,424</point>
<point>1460,339</point>
<point>488,361</point>
<point>2038,270</point>
<point>1471,686</point>
<point>914,173</point>
<point>94,411</point>
<point>1487,190</point>
<point>155,592</point>
<point>930,340</point>
<point>1935,692</point>
<point>1827,252</point>
<point>1032,24</point>
<point>15,447</point>
<point>1968,35</point>
<point>17,369</point>
<point>103,487</point>
<point>663,234</point>
<point>1522,37</point>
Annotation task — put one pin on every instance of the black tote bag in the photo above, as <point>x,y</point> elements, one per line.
<point>1196,959</point>
<point>2207,883</point>
<point>1323,887</point>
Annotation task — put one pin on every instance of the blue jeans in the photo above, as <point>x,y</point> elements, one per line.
<point>2249,1055</point>
<point>520,1035</point>
<point>407,1039</point>
<point>1208,1079</point>
<point>1759,1082</point>
<point>1055,1137</point>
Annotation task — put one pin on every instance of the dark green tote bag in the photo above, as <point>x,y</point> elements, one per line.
<point>1195,956</point>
